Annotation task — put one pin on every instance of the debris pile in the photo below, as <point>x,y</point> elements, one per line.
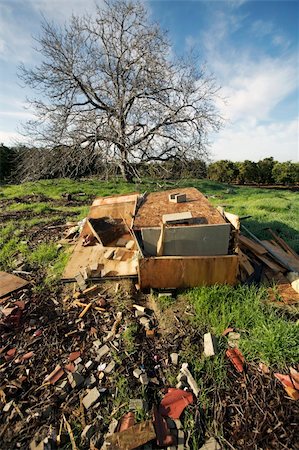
<point>270,262</point>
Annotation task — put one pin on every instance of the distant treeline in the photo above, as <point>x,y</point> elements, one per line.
<point>266,171</point>
<point>19,164</point>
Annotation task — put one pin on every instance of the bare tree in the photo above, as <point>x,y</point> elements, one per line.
<point>109,85</point>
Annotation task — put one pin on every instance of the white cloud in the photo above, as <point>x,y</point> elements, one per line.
<point>278,139</point>
<point>261,28</point>
<point>61,10</point>
<point>254,84</point>
<point>258,87</point>
<point>10,138</point>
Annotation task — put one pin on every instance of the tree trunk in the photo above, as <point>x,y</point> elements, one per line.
<point>126,171</point>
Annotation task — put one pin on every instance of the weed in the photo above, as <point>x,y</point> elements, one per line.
<point>43,255</point>
<point>267,335</point>
<point>128,336</point>
<point>165,301</point>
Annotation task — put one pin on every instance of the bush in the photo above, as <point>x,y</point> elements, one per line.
<point>223,171</point>
<point>286,173</point>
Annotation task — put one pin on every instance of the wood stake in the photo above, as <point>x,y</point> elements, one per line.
<point>82,314</point>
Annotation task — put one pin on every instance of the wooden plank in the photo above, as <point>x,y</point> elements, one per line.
<point>251,245</point>
<point>283,244</point>
<point>245,263</point>
<point>10,283</point>
<point>277,268</point>
<point>157,204</point>
<point>232,218</point>
<point>113,199</point>
<point>183,272</point>
<point>288,261</point>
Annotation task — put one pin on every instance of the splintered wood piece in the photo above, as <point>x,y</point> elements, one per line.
<point>283,244</point>
<point>251,245</point>
<point>245,263</point>
<point>277,268</point>
<point>10,283</point>
<point>160,243</point>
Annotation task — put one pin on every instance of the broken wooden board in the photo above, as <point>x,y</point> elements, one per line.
<point>290,262</point>
<point>245,263</point>
<point>189,271</point>
<point>157,204</point>
<point>114,199</point>
<point>273,265</point>
<point>256,248</point>
<point>284,245</point>
<point>10,283</point>
<point>199,240</point>
<point>84,257</point>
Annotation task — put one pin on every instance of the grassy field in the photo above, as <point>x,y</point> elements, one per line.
<point>268,334</point>
<point>34,206</point>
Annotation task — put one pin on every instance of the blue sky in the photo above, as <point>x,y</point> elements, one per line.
<point>252,47</point>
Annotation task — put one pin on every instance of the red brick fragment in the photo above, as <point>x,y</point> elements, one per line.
<point>25,357</point>
<point>174,402</point>
<point>70,367</point>
<point>10,354</point>
<point>127,421</point>
<point>20,304</point>
<point>236,358</point>
<point>74,355</point>
<point>54,376</point>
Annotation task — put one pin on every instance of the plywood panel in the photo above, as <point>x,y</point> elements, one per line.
<point>201,240</point>
<point>113,199</point>
<point>10,283</point>
<point>177,272</point>
<point>157,204</point>
<point>83,257</point>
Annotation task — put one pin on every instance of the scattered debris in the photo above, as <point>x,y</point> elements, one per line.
<point>10,283</point>
<point>91,398</point>
<point>174,402</point>
<point>236,358</point>
<point>209,345</point>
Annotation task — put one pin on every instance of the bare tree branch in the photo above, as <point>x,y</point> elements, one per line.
<point>109,86</point>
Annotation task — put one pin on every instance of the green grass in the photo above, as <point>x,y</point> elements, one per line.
<point>267,334</point>
<point>128,337</point>
<point>268,207</point>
